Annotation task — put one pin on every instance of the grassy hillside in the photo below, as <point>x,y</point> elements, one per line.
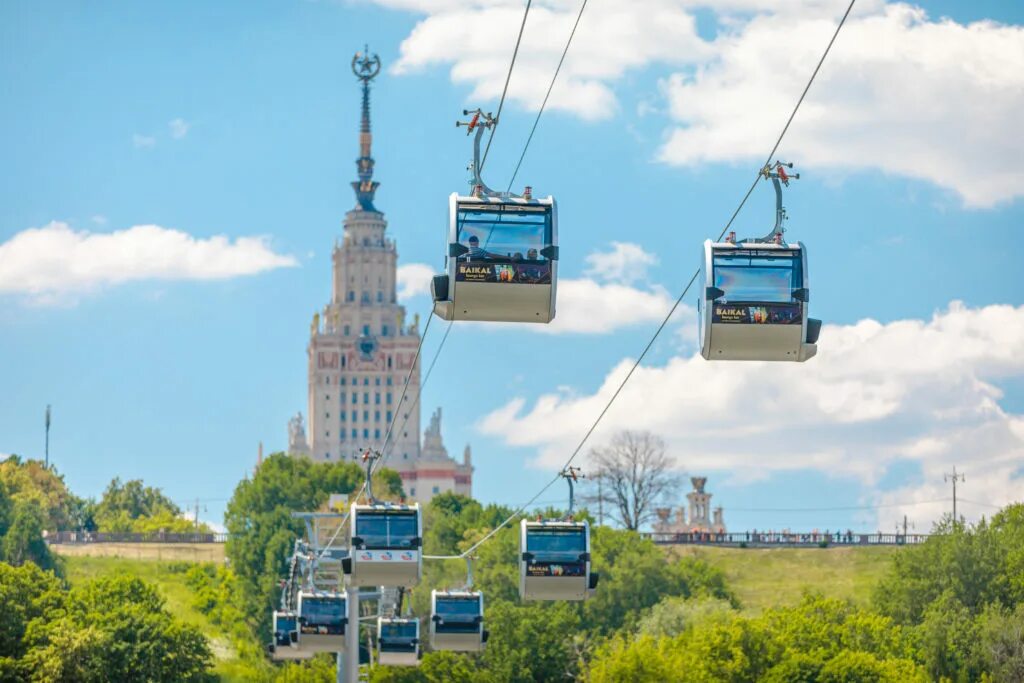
<point>169,552</point>
<point>763,578</point>
<point>169,578</point>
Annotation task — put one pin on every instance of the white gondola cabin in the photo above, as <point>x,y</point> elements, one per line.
<point>385,545</point>
<point>754,302</point>
<point>502,262</point>
<point>398,641</point>
<point>286,637</point>
<point>323,617</point>
<point>555,561</point>
<point>457,621</point>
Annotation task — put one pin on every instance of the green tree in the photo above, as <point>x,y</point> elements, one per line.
<point>142,641</point>
<point>29,482</point>
<point>1000,644</point>
<point>262,532</point>
<point>675,614</point>
<point>24,542</point>
<point>26,593</point>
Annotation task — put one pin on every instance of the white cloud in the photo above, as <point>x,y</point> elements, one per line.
<point>477,40</point>
<point>932,100</point>
<point>54,259</point>
<point>143,141</point>
<point>414,280</point>
<point>911,391</point>
<point>99,219</point>
<point>625,263</point>
<point>900,93</point>
<point>179,128</point>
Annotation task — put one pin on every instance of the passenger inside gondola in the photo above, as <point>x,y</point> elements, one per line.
<point>498,236</point>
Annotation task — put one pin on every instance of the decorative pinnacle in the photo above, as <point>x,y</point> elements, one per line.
<point>365,67</point>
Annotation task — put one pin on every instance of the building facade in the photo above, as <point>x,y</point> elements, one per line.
<point>362,350</point>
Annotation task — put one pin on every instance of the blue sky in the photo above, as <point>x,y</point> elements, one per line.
<point>240,119</point>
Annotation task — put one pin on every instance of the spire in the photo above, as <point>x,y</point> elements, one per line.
<point>366,69</point>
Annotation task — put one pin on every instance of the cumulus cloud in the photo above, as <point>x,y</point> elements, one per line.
<point>476,40</point>
<point>54,259</point>
<point>140,141</point>
<point>178,128</point>
<point>414,280</point>
<point>909,391</point>
<point>900,93</point>
<point>625,263</point>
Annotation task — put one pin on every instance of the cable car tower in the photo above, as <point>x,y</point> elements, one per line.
<point>755,292</point>
<point>502,249</point>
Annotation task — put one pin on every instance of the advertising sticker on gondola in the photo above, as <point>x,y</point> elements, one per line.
<point>757,314</point>
<point>555,569</point>
<point>514,273</point>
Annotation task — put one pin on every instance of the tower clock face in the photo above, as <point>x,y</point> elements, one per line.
<point>367,346</point>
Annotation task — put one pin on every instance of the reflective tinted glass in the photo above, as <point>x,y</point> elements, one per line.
<point>326,611</point>
<point>403,530</point>
<point>286,623</point>
<point>400,629</point>
<point>504,233</point>
<point>757,278</point>
<point>556,540</point>
<point>373,529</point>
<point>458,607</point>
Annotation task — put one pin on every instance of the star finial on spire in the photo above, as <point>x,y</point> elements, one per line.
<point>365,67</point>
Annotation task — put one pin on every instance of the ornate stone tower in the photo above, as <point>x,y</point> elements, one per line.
<point>361,349</point>
<point>700,504</point>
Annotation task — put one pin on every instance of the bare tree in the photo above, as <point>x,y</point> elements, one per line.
<point>629,476</point>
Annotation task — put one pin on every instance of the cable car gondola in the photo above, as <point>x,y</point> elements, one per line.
<point>322,617</point>
<point>755,294</point>
<point>398,641</point>
<point>502,252</point>
<point>457,621</point>
<point>286,636</point>
<point>385,540</point>
<point>555,556</point>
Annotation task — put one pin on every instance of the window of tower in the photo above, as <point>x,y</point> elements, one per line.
<point>376,415</point>
<point>389,398</point>
<point>348,331</point>
<point>343,416</point>
<point>376,398</point>
<point>366,433</point>
<point>366,241</point>
<point>377,381</point>
<point>355,398</point>
<point>376,433</point>
<point>389,379</point>
<point>366,381</point>
<point>355,414</point>
<point>389,417</point>
<point>383,330</point>
<point>327,456</point>
<point>366,416</point>
<point>389,367</point>
<point>380,297</point>
<point>366,397</point>
<point>327,433</point>
<point>341,397</point>
<point>342,381</point>
<point>351,296</point>
<point>366,330</point>
<point>437,489</point>
<point>412,491</point>
<point>343,361</point>
<point>355,433</point>
<point>366,297</point>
